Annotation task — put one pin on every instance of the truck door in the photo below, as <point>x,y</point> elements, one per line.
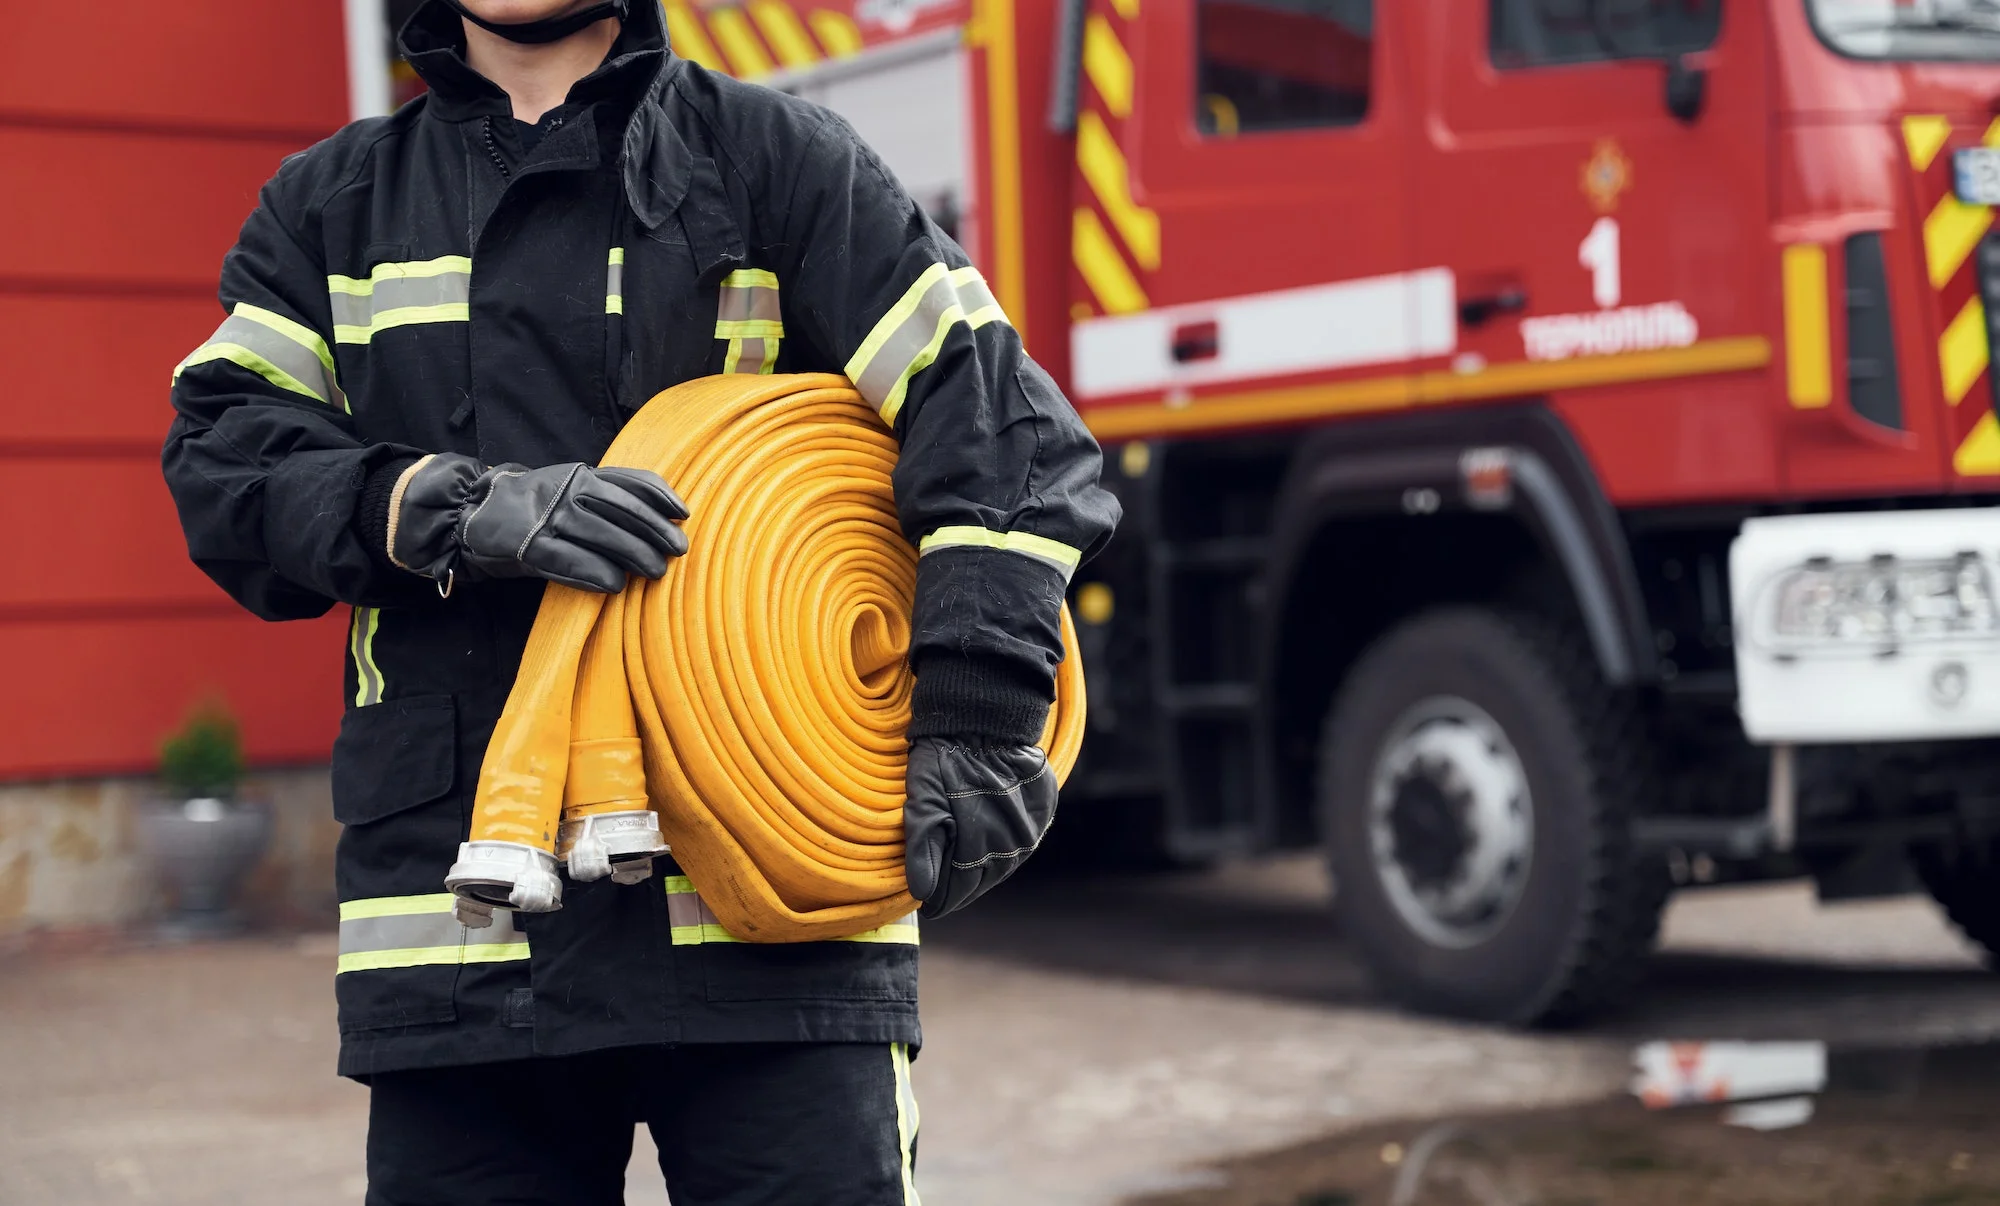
<point>1608,253</point>
<point>1240,242</point>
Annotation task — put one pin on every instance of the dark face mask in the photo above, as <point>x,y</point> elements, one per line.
<point>554,29</point>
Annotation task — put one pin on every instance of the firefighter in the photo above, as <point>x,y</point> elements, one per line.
<point>436,322</point>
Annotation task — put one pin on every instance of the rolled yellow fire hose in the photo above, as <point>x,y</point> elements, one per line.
<point>757,696</point>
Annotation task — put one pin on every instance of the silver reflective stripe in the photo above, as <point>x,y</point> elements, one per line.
<point>1062,556</point>
<point>287,353</point>
<point>399,295</point>
<point>385,932</point>
<point>749,305</point>
<point>909,336</point>
<point>750,356</point>
<point>692,922</point>
<point>614,282</point>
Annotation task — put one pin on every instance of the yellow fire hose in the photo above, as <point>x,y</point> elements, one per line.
<point>755,699</point>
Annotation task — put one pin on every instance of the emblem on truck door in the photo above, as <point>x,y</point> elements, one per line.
<point>1606,175</point>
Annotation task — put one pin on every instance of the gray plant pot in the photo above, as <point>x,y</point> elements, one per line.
<point>200,851</point>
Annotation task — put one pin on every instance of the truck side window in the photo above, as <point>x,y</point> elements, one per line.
<point>1282,64</point>
<point>1539,33</point>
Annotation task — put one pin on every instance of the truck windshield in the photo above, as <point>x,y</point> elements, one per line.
<point>1910,29</point>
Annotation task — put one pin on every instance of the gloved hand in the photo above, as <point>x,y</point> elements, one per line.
<point>583,527</point>
<point>973,815</point>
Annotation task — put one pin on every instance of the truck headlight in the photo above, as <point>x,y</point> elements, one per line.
<point>1877,605</point>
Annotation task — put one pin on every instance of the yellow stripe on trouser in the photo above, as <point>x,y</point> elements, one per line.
<point>907,1120</point>
<point>387,932</point>
<point>766,675</point>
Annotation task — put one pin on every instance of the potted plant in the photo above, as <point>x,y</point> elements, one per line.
<point>201,836</point>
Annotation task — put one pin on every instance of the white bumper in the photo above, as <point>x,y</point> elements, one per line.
<point>1908,681</point>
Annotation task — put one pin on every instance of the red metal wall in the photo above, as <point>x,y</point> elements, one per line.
<point>136,139</point>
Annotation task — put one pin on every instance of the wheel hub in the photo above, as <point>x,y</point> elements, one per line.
<point>1450,821</point>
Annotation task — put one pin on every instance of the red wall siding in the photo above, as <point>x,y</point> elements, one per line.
<point>142,140</point>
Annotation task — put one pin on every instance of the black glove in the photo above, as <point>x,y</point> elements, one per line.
<point>583,527</point>
<point>973,815</point>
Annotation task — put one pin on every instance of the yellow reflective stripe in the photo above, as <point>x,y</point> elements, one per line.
<point>1107,65</point>
<point>837,32</point>
<point>747,59</point>
<point>242,357</point>
<point>1962,350</point>
<point>395,906</point>
<point>907,1119</point>
<point>1925,136</point>
<point>1103,269</point>
<point>440,266</point>
<point>1104,168</point>
<point>1979,455</point>
<point>297,332</point>
<point>614,303</point>
<point>617,255</point>
<point>781,28</point>
<point>893,321</point>
<point>614,282</point>
<point>428,956</point>
<point>749,328</point>
<point>403,317</point>
<point>369,684</point>
<point>1063,556</point>
<point>689,933</point>
<point>751,278</point>
<point>688,38</point>
<point>1808,353</point>
<point>934,303</point>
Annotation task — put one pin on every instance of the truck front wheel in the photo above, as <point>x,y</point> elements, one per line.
<point>1477,781</point>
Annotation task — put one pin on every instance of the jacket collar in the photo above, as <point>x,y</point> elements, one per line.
<point>433,41</point>
<point>655,163</point>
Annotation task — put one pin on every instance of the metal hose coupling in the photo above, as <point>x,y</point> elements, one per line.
<point>498,875</point>
<point>621,845</point>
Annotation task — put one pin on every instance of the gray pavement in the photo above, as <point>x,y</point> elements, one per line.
<point>1087,1039</point>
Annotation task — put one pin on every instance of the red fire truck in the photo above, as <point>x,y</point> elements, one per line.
<point>1557,436</point>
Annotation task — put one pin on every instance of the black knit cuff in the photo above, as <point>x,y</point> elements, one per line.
<point>371,516</point>
<point>979,700</point>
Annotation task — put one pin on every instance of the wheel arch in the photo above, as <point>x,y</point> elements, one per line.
<point>1379,519</point>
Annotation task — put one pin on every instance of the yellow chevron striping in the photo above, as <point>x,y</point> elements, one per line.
<point>1924,137</point>
<point>782,29</point>
<point>1808,338</point>
<point>837,32</point>
<point>1520,378</point>
<point>689,39</point>
<point>1104,167</point>
<point>1951,231</point>
<point>1980,453</point>
<point>1962,351</point>
<point>747,59</point>
<point>1128,9</point>
<point>1103,269</point>
<point>1107,65</point>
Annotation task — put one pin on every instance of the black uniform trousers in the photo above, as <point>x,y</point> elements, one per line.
<point>736,1124</point>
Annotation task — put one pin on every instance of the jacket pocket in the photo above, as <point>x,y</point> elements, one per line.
<point>393,756</point>
<point>394,767</point>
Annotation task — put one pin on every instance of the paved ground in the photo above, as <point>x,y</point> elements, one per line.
<point>1088,1040</point>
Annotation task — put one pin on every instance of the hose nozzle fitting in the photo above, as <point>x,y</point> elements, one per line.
<point>490,875</point>
<point>621,845</point>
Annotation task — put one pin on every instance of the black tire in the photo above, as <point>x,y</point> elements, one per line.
<point>1965,881</point>
<point>1588,908</point>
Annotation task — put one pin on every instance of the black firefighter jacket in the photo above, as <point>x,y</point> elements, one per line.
<point>435,281</point>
